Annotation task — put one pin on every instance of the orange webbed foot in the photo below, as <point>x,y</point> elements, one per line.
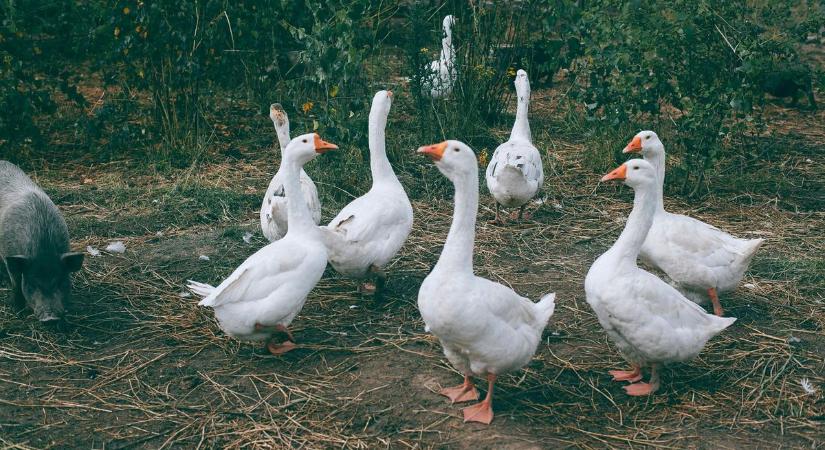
<point>280,349</point>
<point>639,389</point>
<point>481,412</point>
<point>368,288</point>
<point>460,393</point>
<point>627,375</point>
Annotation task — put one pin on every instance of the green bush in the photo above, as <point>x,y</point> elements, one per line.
<point>35,56</point>
<point>484,73</point>
<point>178,74</point>
<point>184,54</point>
<point>691,67</point>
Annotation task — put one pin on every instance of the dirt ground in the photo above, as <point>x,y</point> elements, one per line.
<point>139,365</point>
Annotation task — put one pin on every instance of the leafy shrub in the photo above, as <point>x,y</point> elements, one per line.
<point>33,64</point>
<point>183,54</point>
<point>484,72</point>
<point>649,66</point>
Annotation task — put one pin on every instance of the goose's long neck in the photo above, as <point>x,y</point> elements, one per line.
<point>521,128</point>
<point>457,254</point>
<point>657,160</point>
<point>629,243</point>
<point>379,164</point>
<point>447,47</point>
<point>283,136</point>
<point>298,215</point>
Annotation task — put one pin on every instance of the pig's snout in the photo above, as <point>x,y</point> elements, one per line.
<point>48,309</point>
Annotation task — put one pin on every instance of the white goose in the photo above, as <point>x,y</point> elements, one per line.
<point>440,75</point>
<point>515,172</point>
<point>262,296</point>
<point>486,328</point>
<point>702,260</point>
<point>649,321</point>
<point>274,207</point>
<point>369,231</point>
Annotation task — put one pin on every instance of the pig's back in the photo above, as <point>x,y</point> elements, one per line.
<point>30,223</point>
<point>13,183</point>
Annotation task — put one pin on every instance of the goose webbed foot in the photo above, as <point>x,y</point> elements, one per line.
<point>376,285</point>
<point>274,346</point>
<point>482,412</point>
<point>639,389</point>
<point>497,220</point>
<point>278,349</point>
<point>632,376</point>
<point>522,214</point>
<point>465,392</point>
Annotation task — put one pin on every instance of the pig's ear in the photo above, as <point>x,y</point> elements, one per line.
<point>16,264</point>
<point>72,260</point>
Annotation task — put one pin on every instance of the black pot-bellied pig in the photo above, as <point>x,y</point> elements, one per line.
<point>34,244</point>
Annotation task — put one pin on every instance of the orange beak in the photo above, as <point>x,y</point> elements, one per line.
<point>634,146</point>
<point>619,173</point>
<point>435,151</point>
<point>389,93</point>
<point>322,146</point>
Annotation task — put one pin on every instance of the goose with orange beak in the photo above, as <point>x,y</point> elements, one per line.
<point>259,300</point>
<point>701,259</point>
<point>274,209</point>
<point>485,328</point>
<point>650,322</point>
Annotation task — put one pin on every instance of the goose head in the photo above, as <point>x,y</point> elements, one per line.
<point>635,173</point>
<point>522,86</point>
<point>448,23</point>
<point>380,109</point>
<point>281,122</point>
<point>645,142</point>
<point>278,115</point>
<point>306,147</point>
<point>454,159</point>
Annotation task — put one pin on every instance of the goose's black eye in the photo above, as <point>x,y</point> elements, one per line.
<point>647,137</point>
<point>636,168</point>
<point>455,149</point>
<point>304,141</point>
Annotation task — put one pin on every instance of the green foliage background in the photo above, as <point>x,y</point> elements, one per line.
<point>177,71</point>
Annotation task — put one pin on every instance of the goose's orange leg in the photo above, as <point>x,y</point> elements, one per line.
<point>522,213</point>
<point>497,220</point>
<point>482,412</point>
<point>638,389</point>
<point>464,392</point>
<point>278,348</point>
<point>714,298</point>
<point>632,376</point>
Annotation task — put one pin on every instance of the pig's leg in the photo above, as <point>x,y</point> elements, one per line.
<point>17,299</point>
